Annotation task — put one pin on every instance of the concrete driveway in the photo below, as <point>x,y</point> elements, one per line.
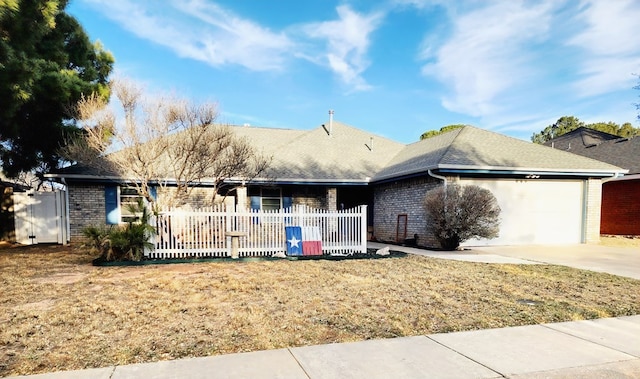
<point>622,261</point>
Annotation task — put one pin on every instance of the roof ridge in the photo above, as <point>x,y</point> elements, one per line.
<point>360,131</point>
<point>458,131</point>
<point>261,127</point>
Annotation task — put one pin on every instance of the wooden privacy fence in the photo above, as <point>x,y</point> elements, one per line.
<point>207,232</point>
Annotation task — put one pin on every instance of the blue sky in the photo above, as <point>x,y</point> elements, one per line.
<point>396,68</point>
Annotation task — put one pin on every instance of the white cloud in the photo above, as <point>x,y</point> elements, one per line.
<point>347,41</point>
<point>201,31</point>
<point>612,53</point>
<point>487,54</point>
<point>207,32</point>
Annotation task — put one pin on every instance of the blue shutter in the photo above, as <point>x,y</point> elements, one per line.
<point>255,202</point>
<point>111,205</point>
<point>287,202</point>
<point>153,192</point>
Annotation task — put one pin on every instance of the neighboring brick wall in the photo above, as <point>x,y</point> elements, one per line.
<point>403,197</point>
<point>621,207</point>
<point>86,207</point>
<point>593,207</point>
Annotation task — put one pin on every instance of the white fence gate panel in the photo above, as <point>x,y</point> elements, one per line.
<point>206,232</point>
<point>40,217</point>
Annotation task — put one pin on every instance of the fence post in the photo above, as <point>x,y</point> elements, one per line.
<point>363,229</point>
<point>229,219</point>
<point>152,222</point>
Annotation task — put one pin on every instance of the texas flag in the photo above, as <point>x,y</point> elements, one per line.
<point>303,240</point>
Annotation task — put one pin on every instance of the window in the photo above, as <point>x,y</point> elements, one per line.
<point>118,202</point>
<point>269,198</point>
<point>129,200</point>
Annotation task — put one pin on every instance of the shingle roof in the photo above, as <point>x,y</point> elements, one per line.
<point>345,154</point>
<point>580,138</point>
<point>621,152</point>
<point>342,155</point>
<point>471,148</point>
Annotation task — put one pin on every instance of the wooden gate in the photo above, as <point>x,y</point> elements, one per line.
<point>40,217</point>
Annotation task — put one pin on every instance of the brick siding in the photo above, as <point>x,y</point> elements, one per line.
<point>621,207</point>
<point>403,197</point>
<point>312,197</point>
<point>593,207</point>
<point>199,197</point>
<point>86,207</point>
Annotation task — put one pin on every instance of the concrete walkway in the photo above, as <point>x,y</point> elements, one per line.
<point>622,261</point>
<point>464,255</point>
<point>603,348</point>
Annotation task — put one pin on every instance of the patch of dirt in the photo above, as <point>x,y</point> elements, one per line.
<point>37,306</point>
<point>61,278</point>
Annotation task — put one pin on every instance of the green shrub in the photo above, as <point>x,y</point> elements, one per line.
<point>122,242</point>
<point>458,213</point>
<point>98,240</point>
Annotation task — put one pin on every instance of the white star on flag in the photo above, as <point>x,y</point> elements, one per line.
<point>294,241</point>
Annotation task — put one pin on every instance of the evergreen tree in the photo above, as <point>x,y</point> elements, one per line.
<point>47,64</point>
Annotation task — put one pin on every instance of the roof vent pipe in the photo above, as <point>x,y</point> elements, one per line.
<point>330,122</point>
<point>371,143</point>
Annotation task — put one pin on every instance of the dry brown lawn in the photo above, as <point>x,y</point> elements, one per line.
<point>620,241</point>
<point>58,312</point>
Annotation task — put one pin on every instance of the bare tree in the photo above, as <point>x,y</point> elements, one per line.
<point>165,142</point>
<point>458,213</point>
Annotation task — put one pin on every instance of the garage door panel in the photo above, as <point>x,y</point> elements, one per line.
<point>535,211</point>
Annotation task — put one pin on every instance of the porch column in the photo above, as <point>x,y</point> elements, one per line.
<point>241,198</point>
<point>332,198</point>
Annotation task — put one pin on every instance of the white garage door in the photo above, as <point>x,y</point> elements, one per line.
<point>535,211</point>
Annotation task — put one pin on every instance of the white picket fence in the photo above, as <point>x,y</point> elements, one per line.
<point>206,232</point>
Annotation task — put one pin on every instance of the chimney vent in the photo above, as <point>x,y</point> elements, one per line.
<point>331,122</point>
<point>370,145</point>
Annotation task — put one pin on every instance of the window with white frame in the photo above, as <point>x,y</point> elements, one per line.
<point>129,200</point>
<point>271,199</point>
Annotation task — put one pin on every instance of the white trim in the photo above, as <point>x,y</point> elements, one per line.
<point>621,178</point>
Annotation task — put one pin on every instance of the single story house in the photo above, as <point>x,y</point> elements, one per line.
<point>620,213</point>
<point>546,195</point>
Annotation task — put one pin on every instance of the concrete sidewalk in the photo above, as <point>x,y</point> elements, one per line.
<point>464,255</point>
<point>603,348</point>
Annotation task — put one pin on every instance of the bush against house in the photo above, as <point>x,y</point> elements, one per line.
<point>122,242</point>
<point>458,213</point>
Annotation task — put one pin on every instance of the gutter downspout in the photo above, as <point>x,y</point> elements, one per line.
<point>444,179</point>
<point>614,177</point>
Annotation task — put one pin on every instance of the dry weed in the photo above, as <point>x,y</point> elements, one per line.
<point>59,313</point>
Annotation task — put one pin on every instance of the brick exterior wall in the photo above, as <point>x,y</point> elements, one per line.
<point>312,197</point>
<point>621,207</point>
<point>332,199</point>
<point>199,197</point>
<point>593,207</point>
<point>86,207</point>
<point>403,197</point>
